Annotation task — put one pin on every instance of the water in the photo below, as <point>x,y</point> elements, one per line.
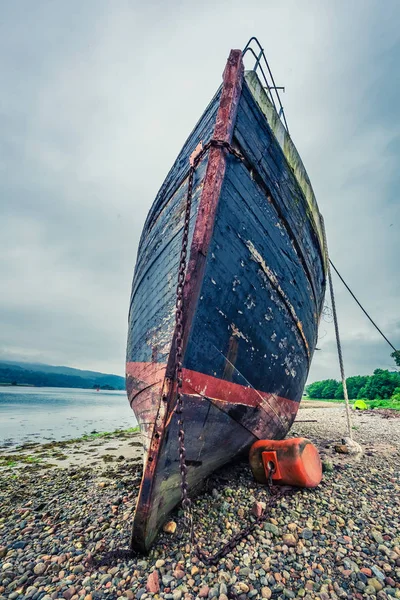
<point>42,414</point>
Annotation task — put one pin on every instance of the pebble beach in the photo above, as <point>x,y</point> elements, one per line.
<point>65,505</point>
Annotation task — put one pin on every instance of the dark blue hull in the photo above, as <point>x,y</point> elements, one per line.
<point>254,293</point>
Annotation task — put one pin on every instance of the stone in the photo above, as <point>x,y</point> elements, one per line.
<point>203,592</point>
<point>378,573</point>
<point>352,446</point>
<point>373,582</point>
<point>179,573</point>
<point>153,582</point>
<point>223,589</point>
<point>169,527</point>
<point>289,539</point>
<point>369,590</point>
<point>271,528</point>
<point>377,537</point>
<point>39,569</point>
<point>258,509</point>
<point>307,534</point>
<point>266,592</point>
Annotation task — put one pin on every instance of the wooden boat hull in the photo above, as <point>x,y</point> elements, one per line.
<point>253,297</point>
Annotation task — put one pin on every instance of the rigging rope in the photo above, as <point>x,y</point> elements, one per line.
<point>362,308</point>
<point>335,320</point>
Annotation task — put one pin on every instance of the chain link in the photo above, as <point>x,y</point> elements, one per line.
<point>275,494</point>
<point>186,501</point>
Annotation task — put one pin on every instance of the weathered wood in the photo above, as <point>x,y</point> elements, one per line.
<point>253,296</point>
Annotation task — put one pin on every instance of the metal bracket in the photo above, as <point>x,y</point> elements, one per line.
<point>270,462</point>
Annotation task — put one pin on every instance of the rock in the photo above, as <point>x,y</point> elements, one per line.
<point>369,590</point>
<point>307,534</point>
<point>153,582</point>
<point>258,509</point>
<point>266,592</point>
<point>169,527</point>
<point>166,579</point>
<point>341,449</point>
<point>352,446</point>
<point>39,569</point>
<point>378,573</point>
<point>377,537</point>
<point>223,590</point>
<point>179,573</point>
<point>373,582</point>
<point>327,466</point>
<point>271,528</point>
<point>203,592</point>
<point>289,539</point>
<point>159,563</point>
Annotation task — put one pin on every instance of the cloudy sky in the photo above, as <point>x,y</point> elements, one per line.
<point>97,98</point>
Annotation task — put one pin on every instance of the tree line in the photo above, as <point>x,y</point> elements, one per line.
<point>14,375</point>
<point>383,384</point>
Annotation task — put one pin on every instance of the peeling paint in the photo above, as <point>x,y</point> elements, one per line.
<point>237,333</point>
<point>256,256</point>
<point>235,283</point>
<point>250,302</point>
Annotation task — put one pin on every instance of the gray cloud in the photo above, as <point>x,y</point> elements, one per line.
<point>97,99</point>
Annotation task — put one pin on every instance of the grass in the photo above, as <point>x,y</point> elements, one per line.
<point>118,433</point>
<point>372,404</point>
<point>51,450</point>
<point>12,461</point>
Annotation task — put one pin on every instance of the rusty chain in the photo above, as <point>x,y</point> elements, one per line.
<point>186,501</point>
<point>209,559</point>
<point>213,559</point>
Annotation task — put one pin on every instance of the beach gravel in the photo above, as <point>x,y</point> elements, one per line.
<point>341,540</point>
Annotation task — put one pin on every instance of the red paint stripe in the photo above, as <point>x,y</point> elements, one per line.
<point>214,388</point>
<point>233,393</point>
<point>148,372</point>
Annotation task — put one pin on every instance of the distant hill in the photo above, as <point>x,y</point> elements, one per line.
<point>21,373</point>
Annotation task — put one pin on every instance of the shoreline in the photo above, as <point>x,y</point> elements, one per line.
<point>341,540</point>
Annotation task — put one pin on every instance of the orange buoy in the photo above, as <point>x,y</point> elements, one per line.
<point>293,462</point>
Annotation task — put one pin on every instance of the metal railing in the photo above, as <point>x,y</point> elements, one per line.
<point>261,67</point>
